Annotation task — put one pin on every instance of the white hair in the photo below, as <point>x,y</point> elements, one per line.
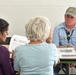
<point>38,28</point>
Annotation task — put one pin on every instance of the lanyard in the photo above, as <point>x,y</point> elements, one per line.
<point>69,35</point>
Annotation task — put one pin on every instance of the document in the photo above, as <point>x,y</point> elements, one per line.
<point>65,53</point>
<point>16,41</point>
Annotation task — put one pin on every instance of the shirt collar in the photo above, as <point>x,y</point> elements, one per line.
<point>64,26</point>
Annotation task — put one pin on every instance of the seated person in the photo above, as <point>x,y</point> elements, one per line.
<point>37,57</point>
<point>65,33</point>
<point>5,63</point>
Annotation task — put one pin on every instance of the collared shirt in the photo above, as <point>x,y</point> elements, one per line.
<point>35,59</point>
<point>60,36</point>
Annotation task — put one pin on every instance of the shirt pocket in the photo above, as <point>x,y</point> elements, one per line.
<point>63,40</point>
<point>74,40</point>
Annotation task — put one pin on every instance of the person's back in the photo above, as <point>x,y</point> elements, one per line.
<point>37,57</point>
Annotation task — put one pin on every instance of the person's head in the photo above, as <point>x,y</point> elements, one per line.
<point>3,30</point>
<point>38,28</point>
<point>70,16</point>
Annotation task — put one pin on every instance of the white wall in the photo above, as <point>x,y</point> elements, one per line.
<point>18,12</point>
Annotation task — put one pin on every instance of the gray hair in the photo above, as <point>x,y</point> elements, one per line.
<point>38,28</point>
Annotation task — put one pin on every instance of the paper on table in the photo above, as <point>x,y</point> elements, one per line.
<point>17,40</point>
<point>67,52</point>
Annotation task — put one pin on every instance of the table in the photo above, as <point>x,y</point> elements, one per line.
<point>67,62</point>
<point>67,59</point>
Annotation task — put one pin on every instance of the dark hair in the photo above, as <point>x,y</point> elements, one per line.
<point>3,25</point>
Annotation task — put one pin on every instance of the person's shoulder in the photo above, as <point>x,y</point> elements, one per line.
<point>3,49</point>
<point>52,45</point>
<point>19,48</point>
<point>59,26</point>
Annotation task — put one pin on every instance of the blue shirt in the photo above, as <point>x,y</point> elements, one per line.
<point>35,59</point>
<point>60,36</point>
